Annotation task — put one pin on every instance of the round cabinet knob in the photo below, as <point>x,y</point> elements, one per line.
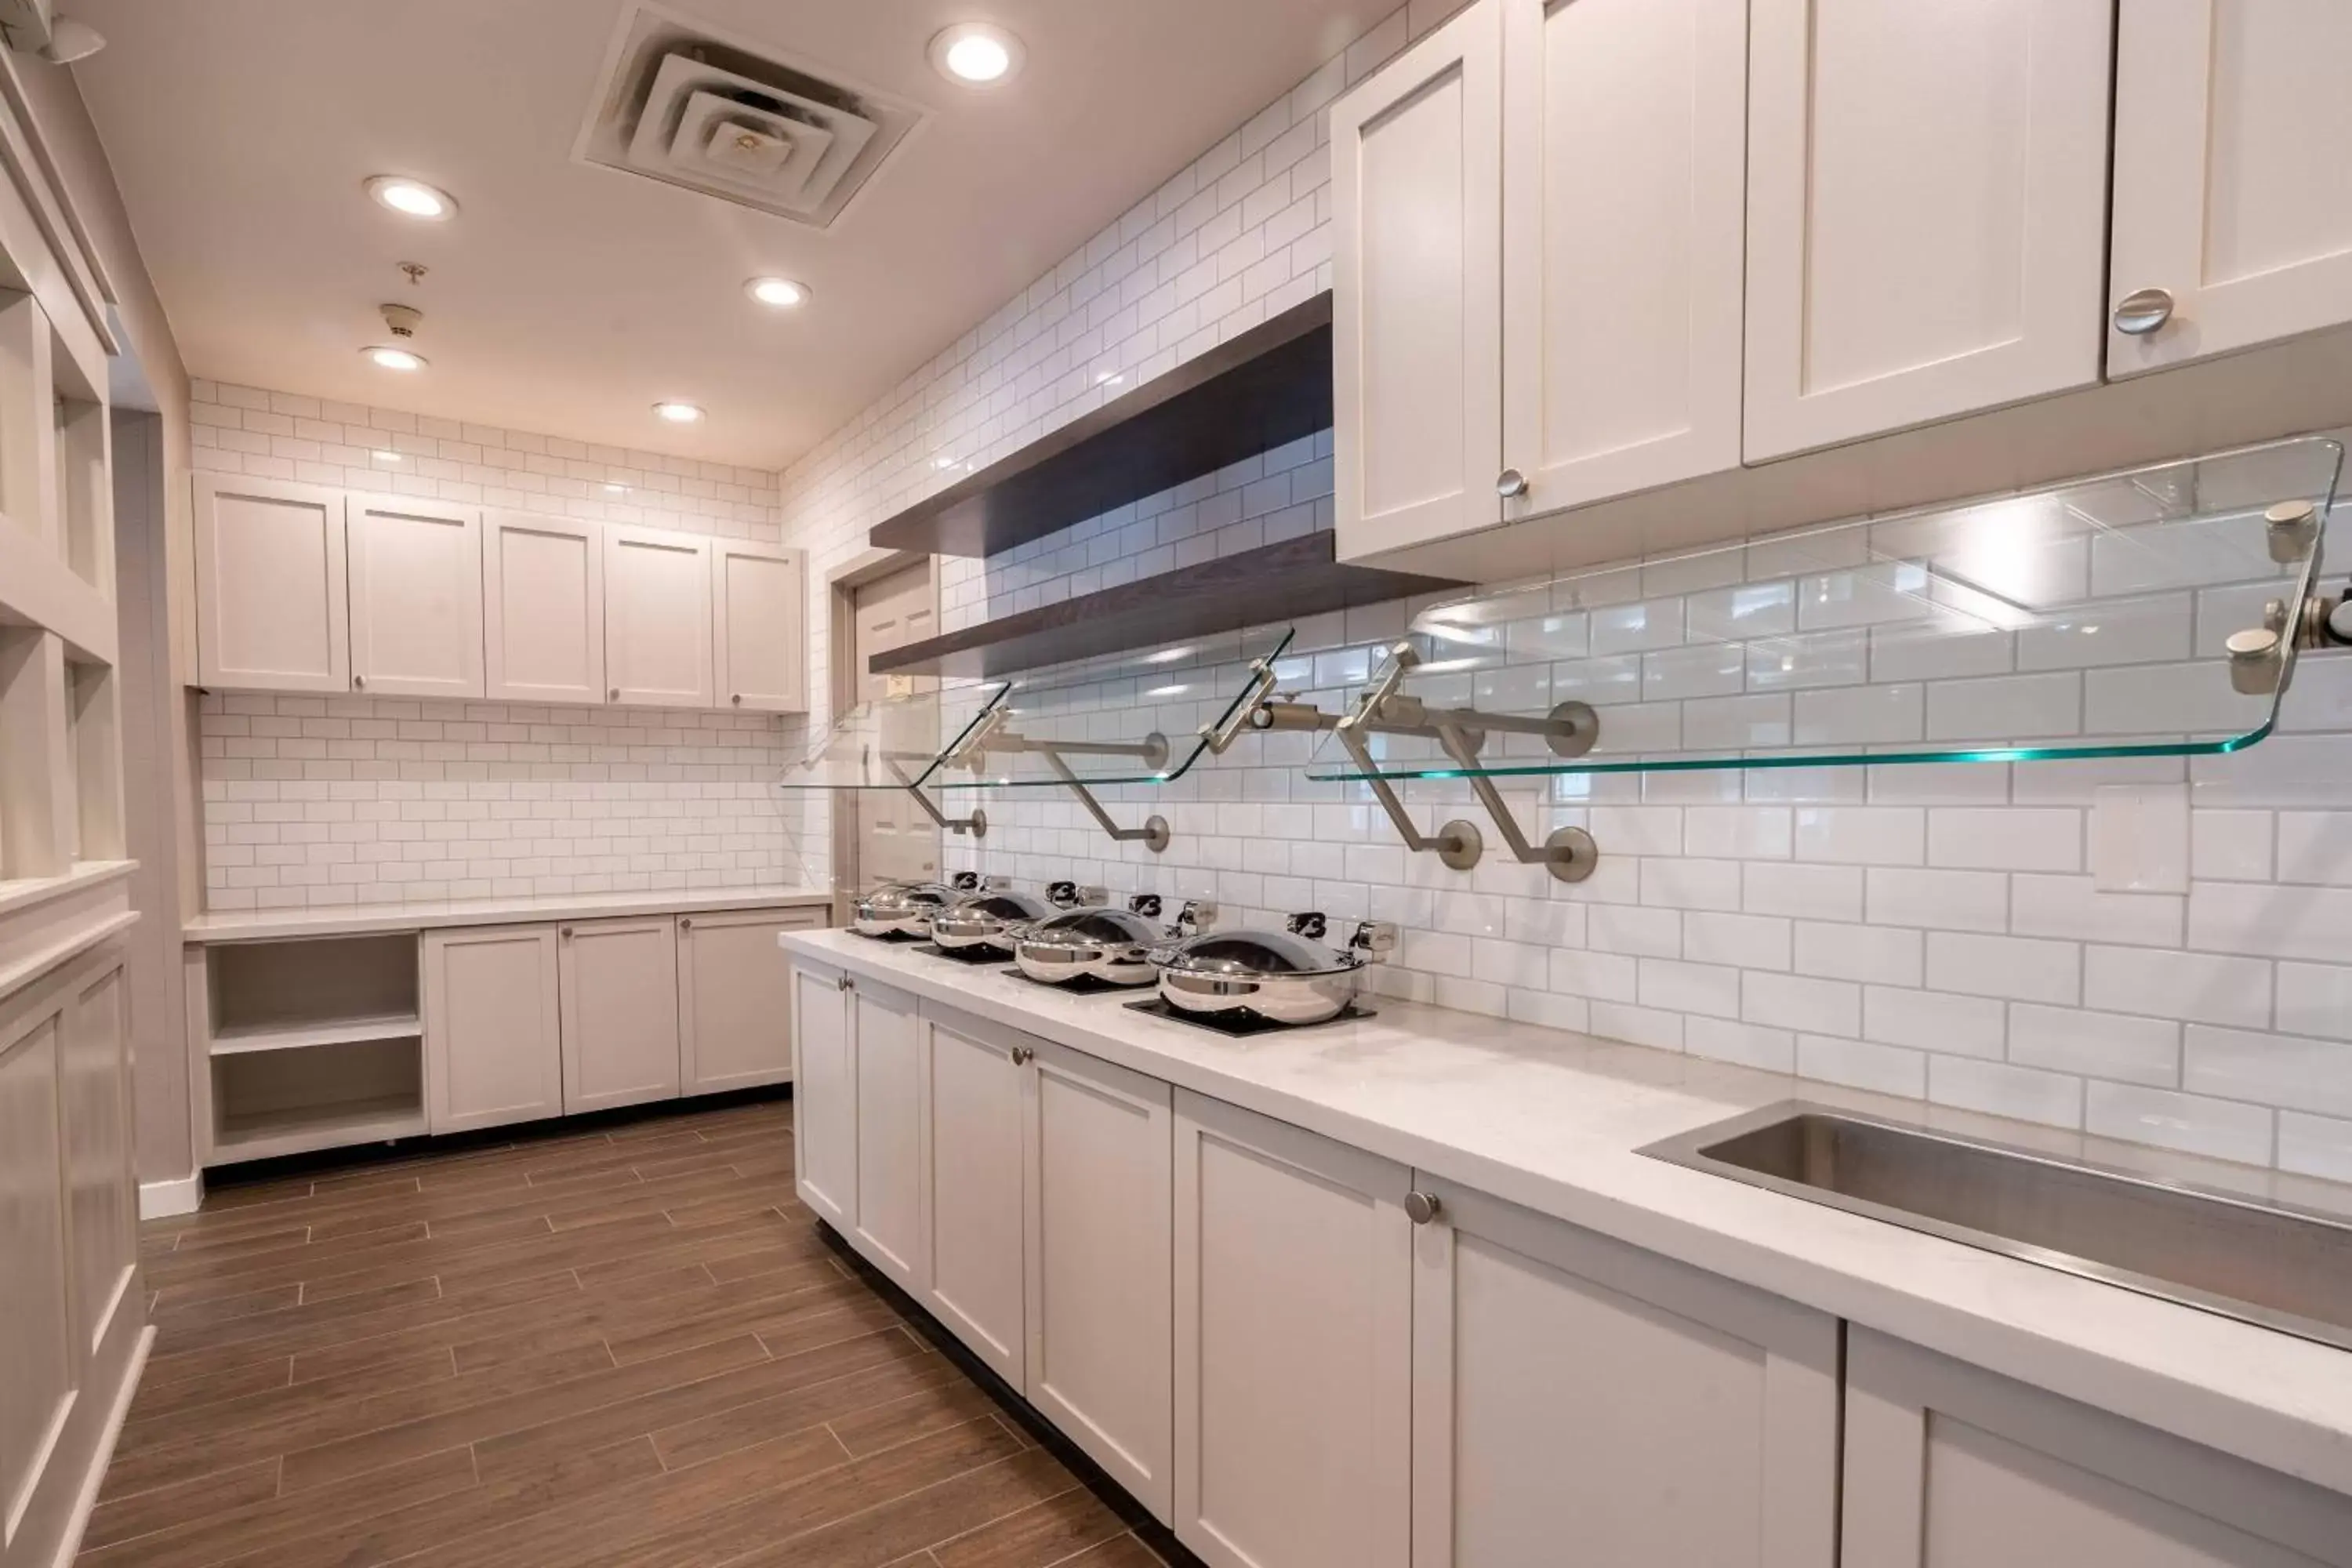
<point>2143,310</point>
<point>2255,656</point>
<point>737,699</point>
<point>567,933</point>
<point>614,695</point>
<point>1511,484</point>
<point>686,925</point>
<point>1022,1055</point>
<point>359,683</point>
<point>1422,1207</point>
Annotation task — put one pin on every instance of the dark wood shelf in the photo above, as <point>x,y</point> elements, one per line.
<point>1270,386</point>
<point>1276,582</point>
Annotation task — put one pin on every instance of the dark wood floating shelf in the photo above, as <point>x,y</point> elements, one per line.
<point>1270,386</point>
<point>1276,582</point>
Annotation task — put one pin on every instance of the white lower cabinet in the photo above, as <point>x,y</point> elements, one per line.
<point>619,980</point>
<point>887,1079</point>
<point>975,1078</point>
<point>1572,1392</point>
<point>824,1095</point>
<point>493,1034</point>
<point>1097,1240</point>
<point>735,998</point>
<point>1294,1346</point>
<point>1948,1466</point>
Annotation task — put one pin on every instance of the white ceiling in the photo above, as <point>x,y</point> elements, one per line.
<point>567,298</point>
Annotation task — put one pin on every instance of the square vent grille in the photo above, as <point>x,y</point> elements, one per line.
<point>680,103</point>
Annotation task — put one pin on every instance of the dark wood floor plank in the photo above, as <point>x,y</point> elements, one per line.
<point>876,1537</point>
<point>158,1396</point>
<point>270,1266</point>
<point>949,1401</point>
<point>1043,1536</point>
<point>639,1325</point>
<point>286,1518</point>
<point>130,1518</point>
<point>275,1405</point>
<point>1126,1552</point>
<point>709,1434</point>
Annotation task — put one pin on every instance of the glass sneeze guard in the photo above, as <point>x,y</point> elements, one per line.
<point>2153,613</point>
<point>893,743</point>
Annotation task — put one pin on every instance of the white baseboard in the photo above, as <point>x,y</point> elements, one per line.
<point>181,1195</point>
<point>70,1546</point>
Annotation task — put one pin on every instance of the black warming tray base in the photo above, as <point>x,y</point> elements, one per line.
<point>1241,1025</point>
<point>977,957</point>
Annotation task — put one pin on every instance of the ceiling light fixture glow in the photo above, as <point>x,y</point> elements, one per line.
<point>977,54</point>
<point>413,198</point>
<point>679,413</point>
<point>777,293</point>
<point>388,356</point>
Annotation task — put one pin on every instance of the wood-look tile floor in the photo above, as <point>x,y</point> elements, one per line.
<point>619,1347</point>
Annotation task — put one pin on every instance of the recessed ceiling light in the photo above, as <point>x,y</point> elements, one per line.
<point>413,198</point>
<point>778,294</point>
<point>679,413</point>
<point>386,356</point>
<point>977,54</point>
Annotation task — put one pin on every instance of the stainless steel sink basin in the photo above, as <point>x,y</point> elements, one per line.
<point>2282,1268</point>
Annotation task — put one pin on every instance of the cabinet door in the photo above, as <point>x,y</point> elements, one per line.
<point>417,597</point>
<point>757,627</point>
<point>1927,214</point>
<point>2233,173</point>
<point>544,601</point>
<point>824,1102</point>
<point>1096,1188</point>
<point>972,1182</point>
<point>657,618</point>
<point>1624,174</point>
<point>735,998</point>
<point>885,1057</point>
<point>1949,1467</point>
<point>493,1033</point>
<point>1294,1346</point>
<point>620,1012</point>
<point>94,1118</point>
<point>1417,296</point>
<point>1569,1388</point>
<point>270,605</point>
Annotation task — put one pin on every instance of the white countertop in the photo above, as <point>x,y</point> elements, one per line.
<point>358,920</point>
<point>1552,1121</point>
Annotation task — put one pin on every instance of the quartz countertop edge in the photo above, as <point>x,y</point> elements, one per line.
<point>359,920</point>
<point>1553,1121</point>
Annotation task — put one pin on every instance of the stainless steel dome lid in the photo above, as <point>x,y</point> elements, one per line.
<point>1094,928</point>
<point>907,899</point>
<point>1253,953</point>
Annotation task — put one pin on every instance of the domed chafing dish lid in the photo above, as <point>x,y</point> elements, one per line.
<point>1094,928</point>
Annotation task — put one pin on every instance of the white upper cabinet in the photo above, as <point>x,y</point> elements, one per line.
<point>271,603</point>
<point>757,592</point>
<point>657,618</point>
<point>415,597</point>
<point>543,594</point>
<point>2234,177</point>
<point>1625,150</point>
<point>1417,296</point>
<point>1927,218</point>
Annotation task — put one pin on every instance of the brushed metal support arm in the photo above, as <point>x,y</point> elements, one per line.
<point>1569,854</point>
<point>976,824</point>
<point>1153,835</point>
<point>1245,712</point>
<point>991,735</point>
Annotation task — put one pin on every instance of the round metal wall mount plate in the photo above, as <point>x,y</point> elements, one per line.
<point>1463,845</point>
<point>1580,727</point>
<point>1155,834</point>
<point>1582,854</point>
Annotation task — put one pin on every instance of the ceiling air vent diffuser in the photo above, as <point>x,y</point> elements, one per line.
<point>683,104</point>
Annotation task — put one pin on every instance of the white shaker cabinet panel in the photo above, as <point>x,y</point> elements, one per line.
<point>543,602</point>
<point>493,1034</point>
<point>1948,1466</point>
<point>270,595</point>
<point>1294,1346</point>
<point>1926,214</point>
<point>619,1004</point>
<point>415,570</point>
<point>757,593</point>
<point>1625,178</point>
<point>1098,1188</point>
<point>735,998</point>
<point>824,1095</point>
<point>2233,175</point>
<point>657,618</point>
<point>94,1114</point>
<point>39,1360</point>
<point>1571,1389</point>
<point>1417,181</point>
<point>891,1219</point>
<point>973,1075</point>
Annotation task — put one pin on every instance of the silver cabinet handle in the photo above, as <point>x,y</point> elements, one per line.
<point>567,933</point>
<point>614,695</point>
<point>1422,1207</point>
<point>737,699</point>
<point>843,983</point>
<point>1511,484</point>
<point>1022,1055</point>
<point>359,683</point>
<point>686,925</point>
<point>2143,310</point>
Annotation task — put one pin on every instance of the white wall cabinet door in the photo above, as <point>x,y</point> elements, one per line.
<point>758,595</point>
<point>891,1219</point>
<point>620,1012</point>
<point>1948,1466</point>
<point>974,1073</point>
<point>1294,1346</point>
<point>1096,1186</point>
<point>657,618</point>
<point>824,1095</point>
<point>1569,1388</point>
<point>735,998</point>
<point>493,1028</point>
<point>1624,179</point>
<point>1417,275</point>
<point>2234,174</point>
<point>1927,214</point>
<point>415,570</point>
<point>543,605</point>
<point>271,609</point>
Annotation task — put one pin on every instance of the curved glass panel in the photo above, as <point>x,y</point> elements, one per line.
<point>893,743</point>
